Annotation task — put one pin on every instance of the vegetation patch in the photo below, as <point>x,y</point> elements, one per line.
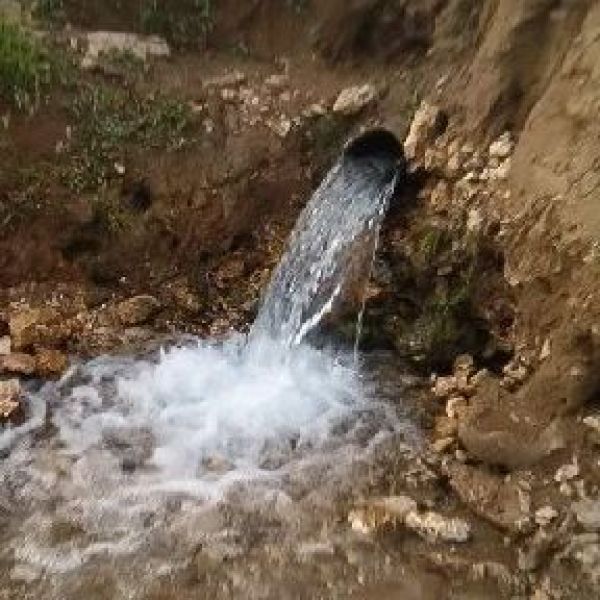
<point>112,122</point>
<point>26,66</point>
<point>186,22</point>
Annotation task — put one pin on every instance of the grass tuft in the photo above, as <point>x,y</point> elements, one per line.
<point>26,68</point>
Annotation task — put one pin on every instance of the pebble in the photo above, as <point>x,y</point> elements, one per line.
<point>354,99</point>
<point>502,147</point>
<point>545,515</point>
<point>567,472</point>
<point>434,527</point>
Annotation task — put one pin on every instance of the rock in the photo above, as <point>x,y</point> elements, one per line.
<point>444,386</point>
<point>441,196</point>
<point>17,363</point>
<point>5,345</point>
<point>440,446</point>
<point>474,221</point>
<point>104,42</point>
<point>228,80</point>
<point>280,127</point>
<point>51,363</point>
<point>10,405</point>
<point>456,407</point>
<point>546,350</point>
<point>445,427</point>
<point>380,512</point>
<point>545,515</point>
<point>138,310</point>
<point>593,422</point>
<point>567,472</point>
<point>488,495</point>
<point>428,123</point>
<point>23,327</point>
<point>434,527</point>
<point>503,147</point>
<point>587,512</point>
<point>352,100</point>
<point>25,573</point>
<point>277,81</point>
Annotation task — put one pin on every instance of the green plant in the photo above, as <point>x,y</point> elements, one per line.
<point>52,11</point>
<point>111,121</point>
<point>187,22</point>
<point>26,68</point>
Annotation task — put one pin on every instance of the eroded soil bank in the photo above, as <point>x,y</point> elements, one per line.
<point>148,192</point>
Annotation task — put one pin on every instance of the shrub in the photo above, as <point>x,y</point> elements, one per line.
<point>25,66</point>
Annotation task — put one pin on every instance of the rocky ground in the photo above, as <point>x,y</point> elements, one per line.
<point>148,185</point>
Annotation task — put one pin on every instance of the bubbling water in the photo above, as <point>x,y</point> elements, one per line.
<point>118,442</point>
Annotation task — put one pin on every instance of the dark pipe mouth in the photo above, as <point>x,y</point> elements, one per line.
<point>376,143</point>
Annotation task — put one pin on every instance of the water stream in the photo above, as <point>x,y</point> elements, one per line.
<point>151,458</point>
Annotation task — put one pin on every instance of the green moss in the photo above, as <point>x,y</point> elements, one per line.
<point>26,66</point>
<point>110,122</point>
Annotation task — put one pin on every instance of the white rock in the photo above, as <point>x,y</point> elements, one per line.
<point>142,47</point>
<point>455,406</point>
<point>546,350</point>
<point>502,147</point>
<point>593,422</point>
<point>567,472</point>
<point>233,79</point>
<point>434,527</point>
<point>424,128</point>
<point>354,99</point>
<point>545,515</point>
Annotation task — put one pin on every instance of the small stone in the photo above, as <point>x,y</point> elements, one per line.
<point>587,512</point>
<point>440,446</point>
<point>51,363</point>
<point>353,100</point>
<point>444,386</point>
<point>546,350</point>
<point>5,345</point>
<point>434,527</point>
<point>456,407</point>
<point>474,221</point>
<point>105,42</point>
<point>17,363</point>
<point>545,515</point>
<point>502,147</point>
<point>138,310</point>
<point>277,81</point>
<point>231,80</point>
<point>10,405</point>
<point>567,472</point>
<point>593,422</point>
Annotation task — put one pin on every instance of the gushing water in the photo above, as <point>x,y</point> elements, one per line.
<point>127,451</point>
<point>331,244</point>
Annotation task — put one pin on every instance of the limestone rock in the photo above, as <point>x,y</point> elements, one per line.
<point>427,124</point>
<point>17,363</point>
<point>354,99</point>
<point>434,527</point>
<point>588,513</point>
<point>104,42</point>
<point>51,363</point>
<point>138,310</point>
<point>10,405</point>
<point>503,147</point>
